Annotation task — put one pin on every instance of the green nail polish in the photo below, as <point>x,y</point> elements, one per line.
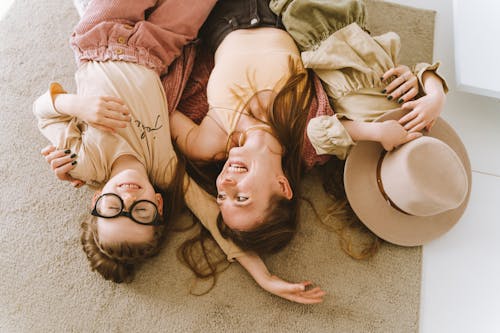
<point>67,151</point>
<point>73,163</point>
<point>384,91</point>
<point>73,156</point>
<point>389,97</point>
<point>400,101</point>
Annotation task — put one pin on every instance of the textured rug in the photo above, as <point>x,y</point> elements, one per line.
<point>46,285</point>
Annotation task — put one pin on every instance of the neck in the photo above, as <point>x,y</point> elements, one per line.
<point>127,162</point>
<point>261,136</point>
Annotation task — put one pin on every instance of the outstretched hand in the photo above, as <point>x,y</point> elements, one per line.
<point>61,162</point>
<point>295,292</point>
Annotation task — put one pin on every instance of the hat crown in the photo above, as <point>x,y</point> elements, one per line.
<point>424,177</point>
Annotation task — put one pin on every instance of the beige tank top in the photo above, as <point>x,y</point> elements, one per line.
<point>248,61</point>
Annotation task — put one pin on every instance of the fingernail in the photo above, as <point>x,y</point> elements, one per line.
<point>384,91</point>
<point>67,151</point>
<point>389,97</point>
<point>400,100</point>
<point>382,78</point>
<point>73,156</point>
<point>73,163</point>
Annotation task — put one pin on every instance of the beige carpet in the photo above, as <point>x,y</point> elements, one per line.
<point>46,285</point>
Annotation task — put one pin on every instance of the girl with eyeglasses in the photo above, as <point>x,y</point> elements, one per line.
<point>113,134</point>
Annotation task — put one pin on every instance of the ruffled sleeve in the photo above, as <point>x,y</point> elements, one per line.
<point>44,108</point>
<point>328,136</point>
<point>60,129</point>
<point>278,6</point>
<point>419,70</point>
<point>67,132</point>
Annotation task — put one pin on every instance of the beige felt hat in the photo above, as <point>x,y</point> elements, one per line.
<point>413,194</point>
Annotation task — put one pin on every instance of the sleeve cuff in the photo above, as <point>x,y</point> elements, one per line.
<point>419,70</point>
<point>328,136</point>
<point>54,90</point>
<point>44,108</point>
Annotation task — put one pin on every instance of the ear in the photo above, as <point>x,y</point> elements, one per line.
<point>95,197</point>
<point>159,203</point>
<point>285,187</point>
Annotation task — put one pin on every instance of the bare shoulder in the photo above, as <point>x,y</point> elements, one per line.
<point>203,142</point>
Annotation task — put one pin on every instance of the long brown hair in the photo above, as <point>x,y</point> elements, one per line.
<point>355,238</point>
<point>117,261</point>
<point>287,116</point>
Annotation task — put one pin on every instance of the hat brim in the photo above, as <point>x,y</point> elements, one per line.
<point>378,215</point>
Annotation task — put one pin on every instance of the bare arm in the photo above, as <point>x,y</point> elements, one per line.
<point>389,133</point>
<point>197,142</point>
<point>206,209</point>
<point>295,292</point>
<point>103,112</point>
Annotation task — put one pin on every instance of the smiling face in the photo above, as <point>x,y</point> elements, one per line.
<point>131,186</point>
<point>249,180</point>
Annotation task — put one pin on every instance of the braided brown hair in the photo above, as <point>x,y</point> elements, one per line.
<point>116,261</point>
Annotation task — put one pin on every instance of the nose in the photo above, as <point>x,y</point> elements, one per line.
<point>228,181</point>
<point>128,199</point>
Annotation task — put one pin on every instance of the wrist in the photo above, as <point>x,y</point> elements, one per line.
<point>438,94</point>
<point>439,98</point>
<point>375,132</point>
<point>363,131</point>
<point>434,86</point>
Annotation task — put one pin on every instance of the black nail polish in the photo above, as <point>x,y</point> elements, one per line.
<point>381,78</point>
<point>389,97</point>
<point>67,151</point>
<point>400,101</point>
<point>73,156</point>
<point>384,91</point>
<point>73,163</point>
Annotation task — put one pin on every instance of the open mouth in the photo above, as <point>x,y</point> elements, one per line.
<point>129,186</point>
<point>237,167</point>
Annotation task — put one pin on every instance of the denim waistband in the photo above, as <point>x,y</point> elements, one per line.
<point>230,15</point>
